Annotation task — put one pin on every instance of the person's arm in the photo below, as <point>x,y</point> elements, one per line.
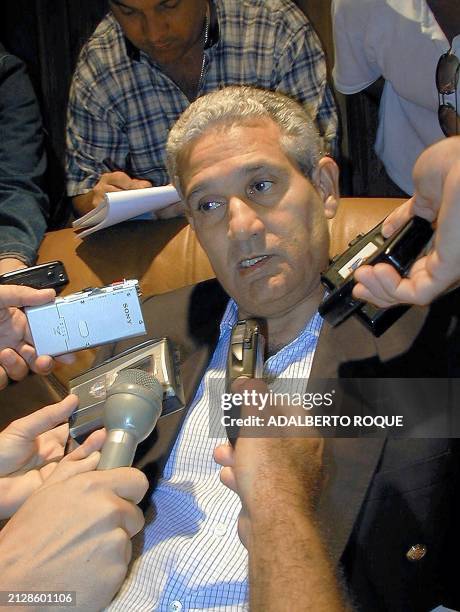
<point>301,74</point>
<point>24,206</point>
<point>96,140</point>
<point>278,481</point>
<point>355,65</point>
<point>288,565</point>
<point>437,197</point>
<point>9,264</point>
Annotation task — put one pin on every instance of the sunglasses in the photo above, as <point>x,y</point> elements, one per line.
<point>447,75</point>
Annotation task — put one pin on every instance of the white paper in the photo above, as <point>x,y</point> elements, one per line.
<point>119,206</point>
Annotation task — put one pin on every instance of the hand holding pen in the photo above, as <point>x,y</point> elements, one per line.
<point>173,210</point>
<point>115,179</point>
<point>112,179</point>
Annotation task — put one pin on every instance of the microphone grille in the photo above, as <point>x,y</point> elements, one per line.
<point>145,380</point>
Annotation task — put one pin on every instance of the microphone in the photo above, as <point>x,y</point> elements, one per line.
<point>131,411</point>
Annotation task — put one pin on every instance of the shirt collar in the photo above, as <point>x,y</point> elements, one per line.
<point>213,37</point>
<point>131,51</point>
<point>311,329</point>
<point>230,317</point>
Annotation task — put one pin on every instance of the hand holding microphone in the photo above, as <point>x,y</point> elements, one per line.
<point>131,411</point>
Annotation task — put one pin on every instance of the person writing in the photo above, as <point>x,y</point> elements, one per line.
<point>148,59</point>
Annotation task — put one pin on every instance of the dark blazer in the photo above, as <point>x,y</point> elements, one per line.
<point>382,496</point>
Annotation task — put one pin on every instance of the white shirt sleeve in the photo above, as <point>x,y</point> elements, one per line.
<point>355,65</point>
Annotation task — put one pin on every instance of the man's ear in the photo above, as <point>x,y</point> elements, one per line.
<point>186,209</point>
<point>326,180</point>
<point>189,216</point>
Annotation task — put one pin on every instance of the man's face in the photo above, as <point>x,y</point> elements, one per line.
<point>164,29</point>
<point>261,222</point>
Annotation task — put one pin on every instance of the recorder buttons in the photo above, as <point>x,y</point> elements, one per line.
<point>83,329</point>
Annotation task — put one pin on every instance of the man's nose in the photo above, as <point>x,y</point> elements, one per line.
<point>152,29</point>
<point>244,221</point>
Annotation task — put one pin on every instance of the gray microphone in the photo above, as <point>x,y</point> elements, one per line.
<point>131,411</point>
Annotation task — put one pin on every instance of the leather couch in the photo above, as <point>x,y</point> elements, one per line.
<point>163,255</point>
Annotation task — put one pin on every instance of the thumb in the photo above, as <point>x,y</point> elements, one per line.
<point>20,295</point>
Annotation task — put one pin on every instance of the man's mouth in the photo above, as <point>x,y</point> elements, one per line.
<point>251,263</point>
<point>161,46</point>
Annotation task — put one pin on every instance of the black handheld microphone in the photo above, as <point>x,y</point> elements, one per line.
<point>131,410</point>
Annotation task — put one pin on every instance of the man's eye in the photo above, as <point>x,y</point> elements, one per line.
<point>209,205</point>
<point>170,4</point>
<point>260,187</point>
<point>125,10</point>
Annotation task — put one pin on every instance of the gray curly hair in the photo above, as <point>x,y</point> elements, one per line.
<point>238,105</point>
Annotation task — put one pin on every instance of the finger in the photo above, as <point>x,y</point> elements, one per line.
<point>93,442</point>
<point>420,289</point>
<point>377,284</point>
<point>69,467</point>
<point>106,188</point>
<point>19,296</point>
<point>249,384</point>
<point>66,359</point>
<point>129,483</point>
<point>398,218</point>
<point>13,364</point>
<point>132,518</point>
<point>244,528</point>
<point>128,551</point>
<point>118,179</point>
<point>360,292</point>
<point>40,364</point>
<point>43,364</point>
<point>389,280</point>
<point>227,477</point>
<point>3,377</point>
<point>224,455</point>
<point>46,418</point>
<point>140,184</point>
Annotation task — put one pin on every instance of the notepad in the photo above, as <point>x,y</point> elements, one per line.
<point>120,206</point>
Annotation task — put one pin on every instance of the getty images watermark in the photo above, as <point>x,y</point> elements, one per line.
<point>338,407</point>
<point>253,409</point>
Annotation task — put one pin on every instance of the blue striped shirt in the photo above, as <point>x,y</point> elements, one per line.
<point>189,556</point>
<point>122,105</point>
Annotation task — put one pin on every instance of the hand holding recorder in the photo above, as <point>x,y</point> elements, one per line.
<point>87,318</point>
<point>437,197</point>
<point>17,352</point>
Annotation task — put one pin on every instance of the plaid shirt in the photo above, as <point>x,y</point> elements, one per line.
<point>122,105</point>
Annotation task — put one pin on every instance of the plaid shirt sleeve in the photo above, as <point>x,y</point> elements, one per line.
<point>301,73</point>
<point>94,129</point>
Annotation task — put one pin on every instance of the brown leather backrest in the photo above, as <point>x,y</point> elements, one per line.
<point>165,255</point>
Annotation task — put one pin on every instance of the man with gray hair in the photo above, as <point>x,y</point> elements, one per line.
<point>258,193</point>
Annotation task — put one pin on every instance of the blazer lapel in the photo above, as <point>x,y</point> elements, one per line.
<point>349,462</point>
<point>350,351</point>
